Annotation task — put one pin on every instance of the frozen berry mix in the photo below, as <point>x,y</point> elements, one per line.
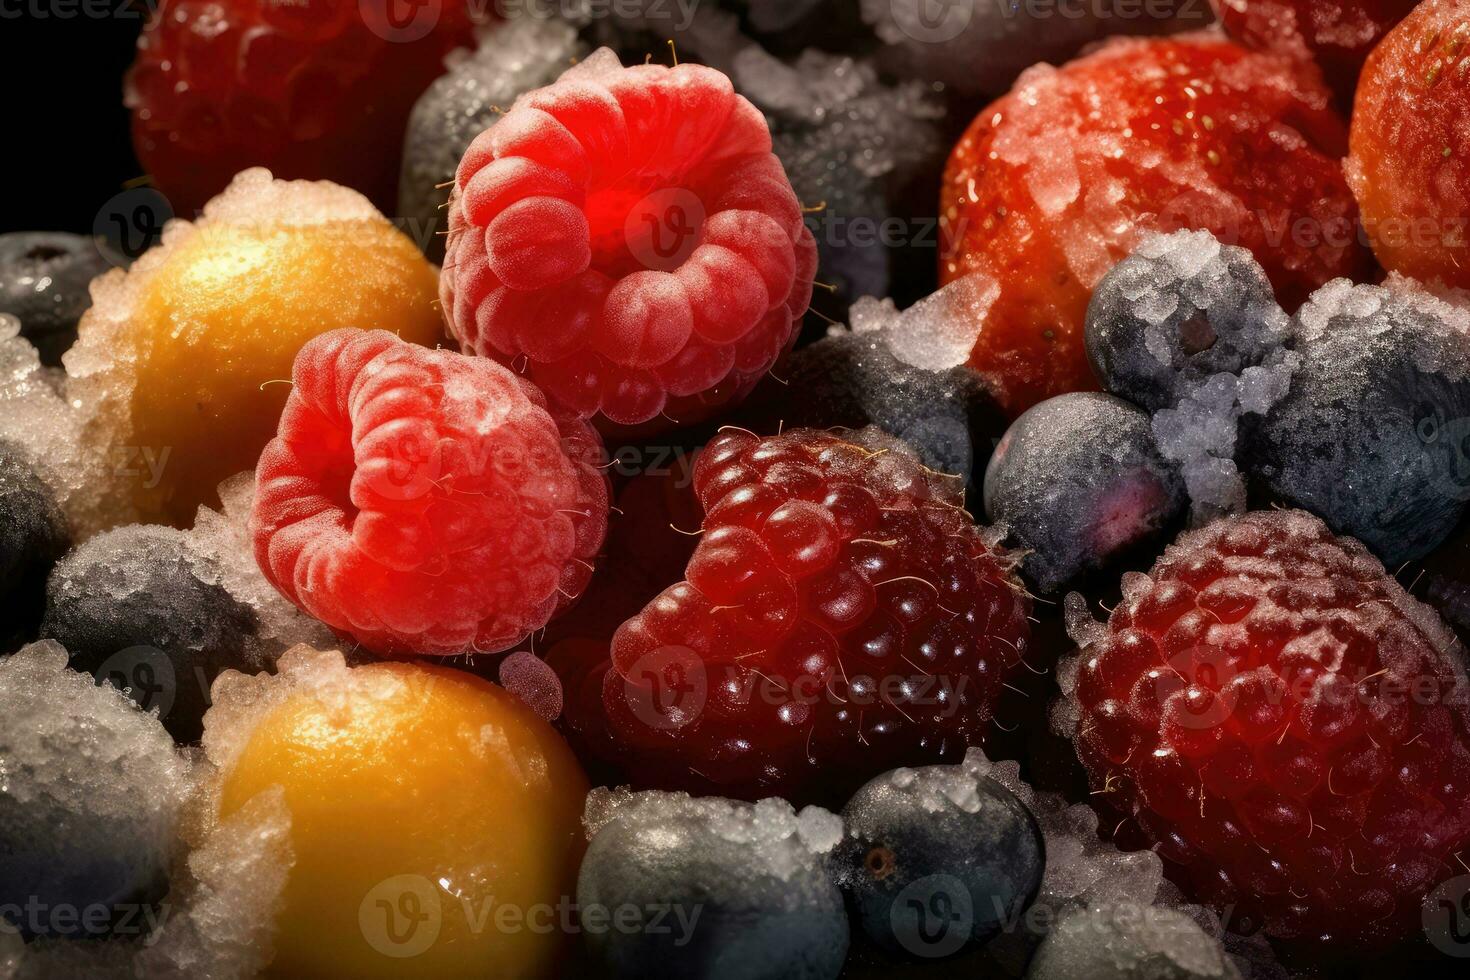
<point>320,90</point>
<point>1054,183</point>
<point>840,615</point>
<point>1410,161</point>
<point>425,502</point>
<point>1282,722</point>
<point>626,239</point>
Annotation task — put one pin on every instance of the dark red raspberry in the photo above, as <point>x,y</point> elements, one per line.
<point>425,502</point>
<point>626,239</point>
<point>1285,726</point>
<point>841,616</point>
<point>319,89</point>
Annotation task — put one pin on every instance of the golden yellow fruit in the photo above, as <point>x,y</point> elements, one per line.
<point>425,802</point>
<point>190,351</point>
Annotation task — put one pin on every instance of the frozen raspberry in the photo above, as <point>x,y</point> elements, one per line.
<point>1059,180</point>
<point>1337,34</point>
<point>424,502</point>
<point>626,239</point>
<point>318,89</point>
<point>841,615</point>
<point>1283,724</point>
<point>1410,161</point>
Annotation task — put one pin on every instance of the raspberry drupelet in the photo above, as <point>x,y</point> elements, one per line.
<point>841,615</point>
<point>424,502</point>
<point>625,238</point>
<point>1283,724</point>
<point>1056,182</point>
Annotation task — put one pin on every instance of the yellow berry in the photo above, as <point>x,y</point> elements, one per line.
<point>423,800</point>
<point>192,350</point>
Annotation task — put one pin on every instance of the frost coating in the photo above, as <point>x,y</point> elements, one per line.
<point>755,873</point>
<point>511,57</point>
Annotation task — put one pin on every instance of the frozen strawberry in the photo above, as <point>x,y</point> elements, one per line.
<point>425,502</point>
<point>626,239</point>
<point>1337,34</point>
<point>1284,725</point>
<point>318,89</point>
<point>1410,160</point>
<point>1056,182</point>
<point>840,616</point>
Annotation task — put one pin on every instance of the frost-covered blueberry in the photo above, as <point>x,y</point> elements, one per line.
<point>90,793</point>
<point>1374,434</point>
<point>44,277</point>
<point>1178,310</point>
<point>938,859</point>
<point>741,890</point>
<point>33,535</point>
<point>904,372</point>
<point>138,607</point>
<point>1079,480</point>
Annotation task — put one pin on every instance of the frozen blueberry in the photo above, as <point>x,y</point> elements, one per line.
<point>33,535</point>
<point>739,890</point>
<point>855,380</point>
<point>1179,310</point>
<point>90,791</point>
<point>43,282</point>
<point>138,607</point>
<point>1374,434</point>
<point>1079,481</point>
<point>938,859</point>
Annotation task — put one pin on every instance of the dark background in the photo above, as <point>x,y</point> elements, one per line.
<point>66,147</point>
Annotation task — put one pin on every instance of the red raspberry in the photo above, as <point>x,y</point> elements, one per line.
<point>1281,721</point>
<point>1410,162</point>
<point>320,89</point>
<point>626,239</point>
<point>841,616</point>
<point>1056,182</point>
<point>424,502</point>
<point>1337,34</point>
